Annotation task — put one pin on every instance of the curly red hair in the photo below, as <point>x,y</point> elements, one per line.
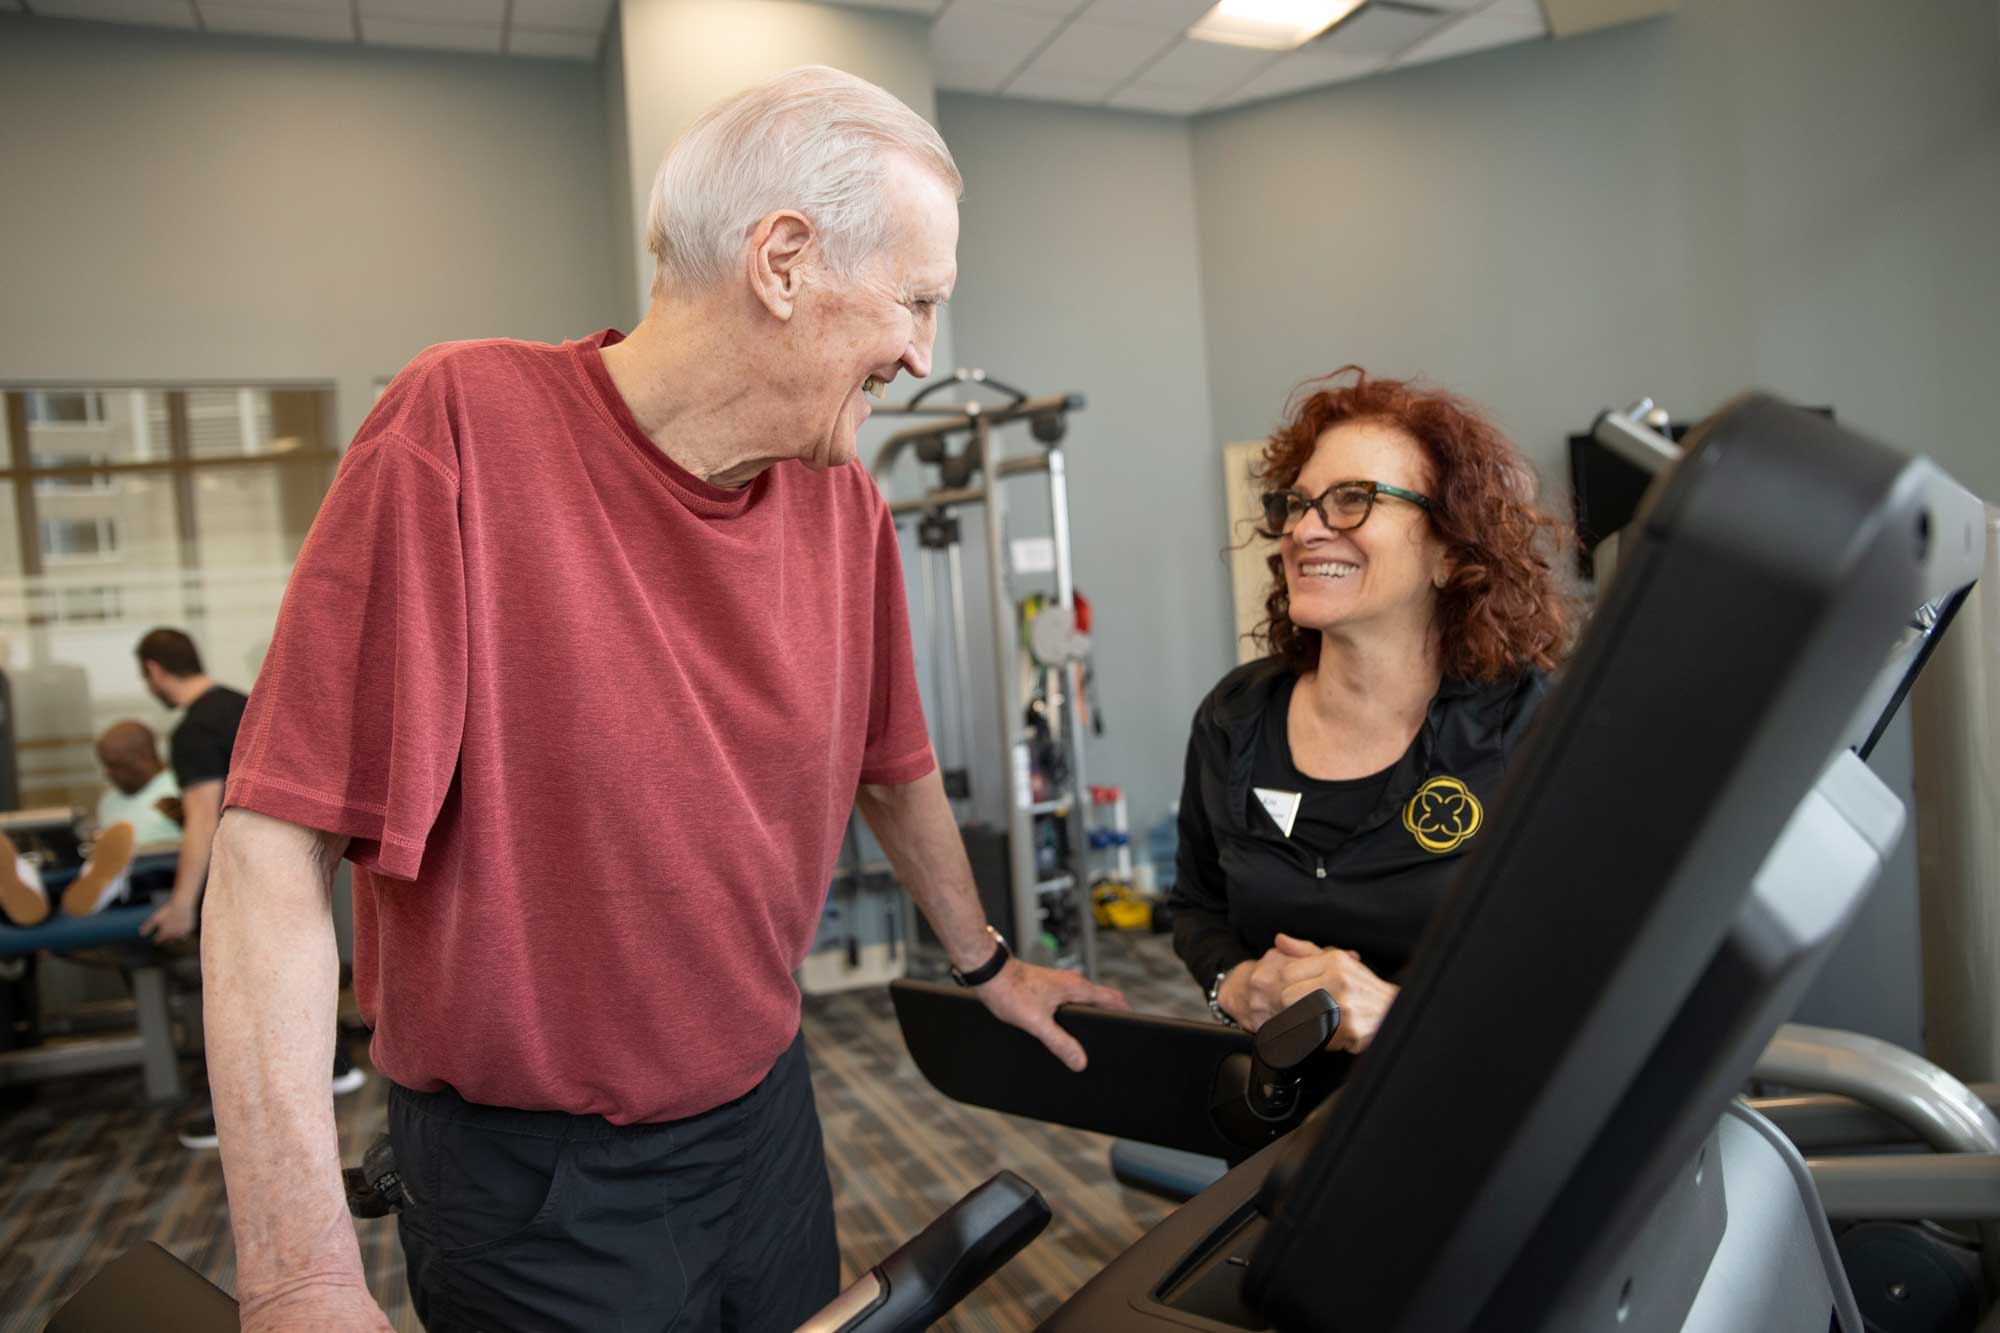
<point>1505,608</point>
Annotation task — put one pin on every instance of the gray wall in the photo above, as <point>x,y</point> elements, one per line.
<point>626,246</point>
<point>1078,271</point>
<point>1797,194</point>
<point>196,207</point>
<point>1794,193</point>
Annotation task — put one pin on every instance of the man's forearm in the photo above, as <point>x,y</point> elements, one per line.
<point>196,849</point>
<point>914,824</point>
<point>271,975</point>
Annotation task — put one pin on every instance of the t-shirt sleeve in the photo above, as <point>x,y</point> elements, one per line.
<point>899,745</point>
<point>200,752</point>
<point>355,723</point>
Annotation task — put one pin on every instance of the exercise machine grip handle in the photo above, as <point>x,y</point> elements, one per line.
<point>942,1264</point>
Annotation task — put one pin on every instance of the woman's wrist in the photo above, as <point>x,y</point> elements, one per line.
<point>1228,994</point>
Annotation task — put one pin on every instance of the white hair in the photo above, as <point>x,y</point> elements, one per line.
<point>814,140</point>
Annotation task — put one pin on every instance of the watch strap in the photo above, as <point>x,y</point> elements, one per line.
<point>989,969</point>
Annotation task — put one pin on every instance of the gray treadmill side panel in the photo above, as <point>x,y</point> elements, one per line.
<point>1817,873</point>
<point>1776,1270</point>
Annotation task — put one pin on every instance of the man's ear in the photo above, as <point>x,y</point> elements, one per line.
<point>783,250</point>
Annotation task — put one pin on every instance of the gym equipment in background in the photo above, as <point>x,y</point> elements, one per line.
<point>1043,904</point>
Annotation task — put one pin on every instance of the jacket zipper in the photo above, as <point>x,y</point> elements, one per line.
<point>1319,867</point>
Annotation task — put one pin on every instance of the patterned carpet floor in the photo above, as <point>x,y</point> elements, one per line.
<point>87,1170</point>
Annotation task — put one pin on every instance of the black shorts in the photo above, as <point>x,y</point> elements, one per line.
<point>541,1220</point>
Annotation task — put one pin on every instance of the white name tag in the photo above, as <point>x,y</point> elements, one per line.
<point>1281,806</point>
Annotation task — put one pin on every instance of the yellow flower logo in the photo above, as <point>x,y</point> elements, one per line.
<point>1442,815</point>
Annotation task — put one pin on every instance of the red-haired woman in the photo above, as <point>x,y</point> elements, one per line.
<point>1414,613</point>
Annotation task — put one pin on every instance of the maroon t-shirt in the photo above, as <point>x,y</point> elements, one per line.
<point>593,725</point>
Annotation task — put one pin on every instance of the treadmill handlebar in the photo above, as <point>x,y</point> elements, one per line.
<point>1282,1046</point>
<point>1298,1032</point>
<point>942,1264</point>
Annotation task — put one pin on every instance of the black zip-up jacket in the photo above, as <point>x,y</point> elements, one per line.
<point>1241,880</point>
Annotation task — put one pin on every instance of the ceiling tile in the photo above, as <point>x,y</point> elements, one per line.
<point>152,13</point>
<point>1209,66</point>
<point>1060,9</point>
<point>572,15</point>
<point>1162,15</point>
<point>379,31</point>
<point>1379,32</point>
<point>1475,32</point>
<point>310,6</point>
<point>969,78</point>
<point>1143,96</point>
<point>964,35</point>
<point>1098,51</point>
<point>1299,70</point>
<point>907,6</point>
<point>492,12</point>
<point>558,45</point>
<point>1527,11</point>
<point>1088,92</point>
<point>321,25</point>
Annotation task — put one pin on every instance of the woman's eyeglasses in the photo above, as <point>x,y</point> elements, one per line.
<point>1343,506</point>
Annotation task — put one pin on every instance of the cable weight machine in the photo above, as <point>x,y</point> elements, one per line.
<point>1041,874</point>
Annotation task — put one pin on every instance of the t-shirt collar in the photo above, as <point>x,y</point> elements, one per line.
<point>702,497</point>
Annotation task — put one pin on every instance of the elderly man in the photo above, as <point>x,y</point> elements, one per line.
<point>590,653</point>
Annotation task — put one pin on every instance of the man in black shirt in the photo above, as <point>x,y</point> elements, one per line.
<point>200,749</point>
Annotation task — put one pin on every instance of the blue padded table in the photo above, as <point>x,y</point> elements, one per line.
<point>60,934</point>
<point>151,1048</point>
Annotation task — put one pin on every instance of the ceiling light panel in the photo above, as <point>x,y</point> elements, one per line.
<point>1271,25</point>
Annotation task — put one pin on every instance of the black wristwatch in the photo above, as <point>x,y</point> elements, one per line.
<point>989,969</point>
